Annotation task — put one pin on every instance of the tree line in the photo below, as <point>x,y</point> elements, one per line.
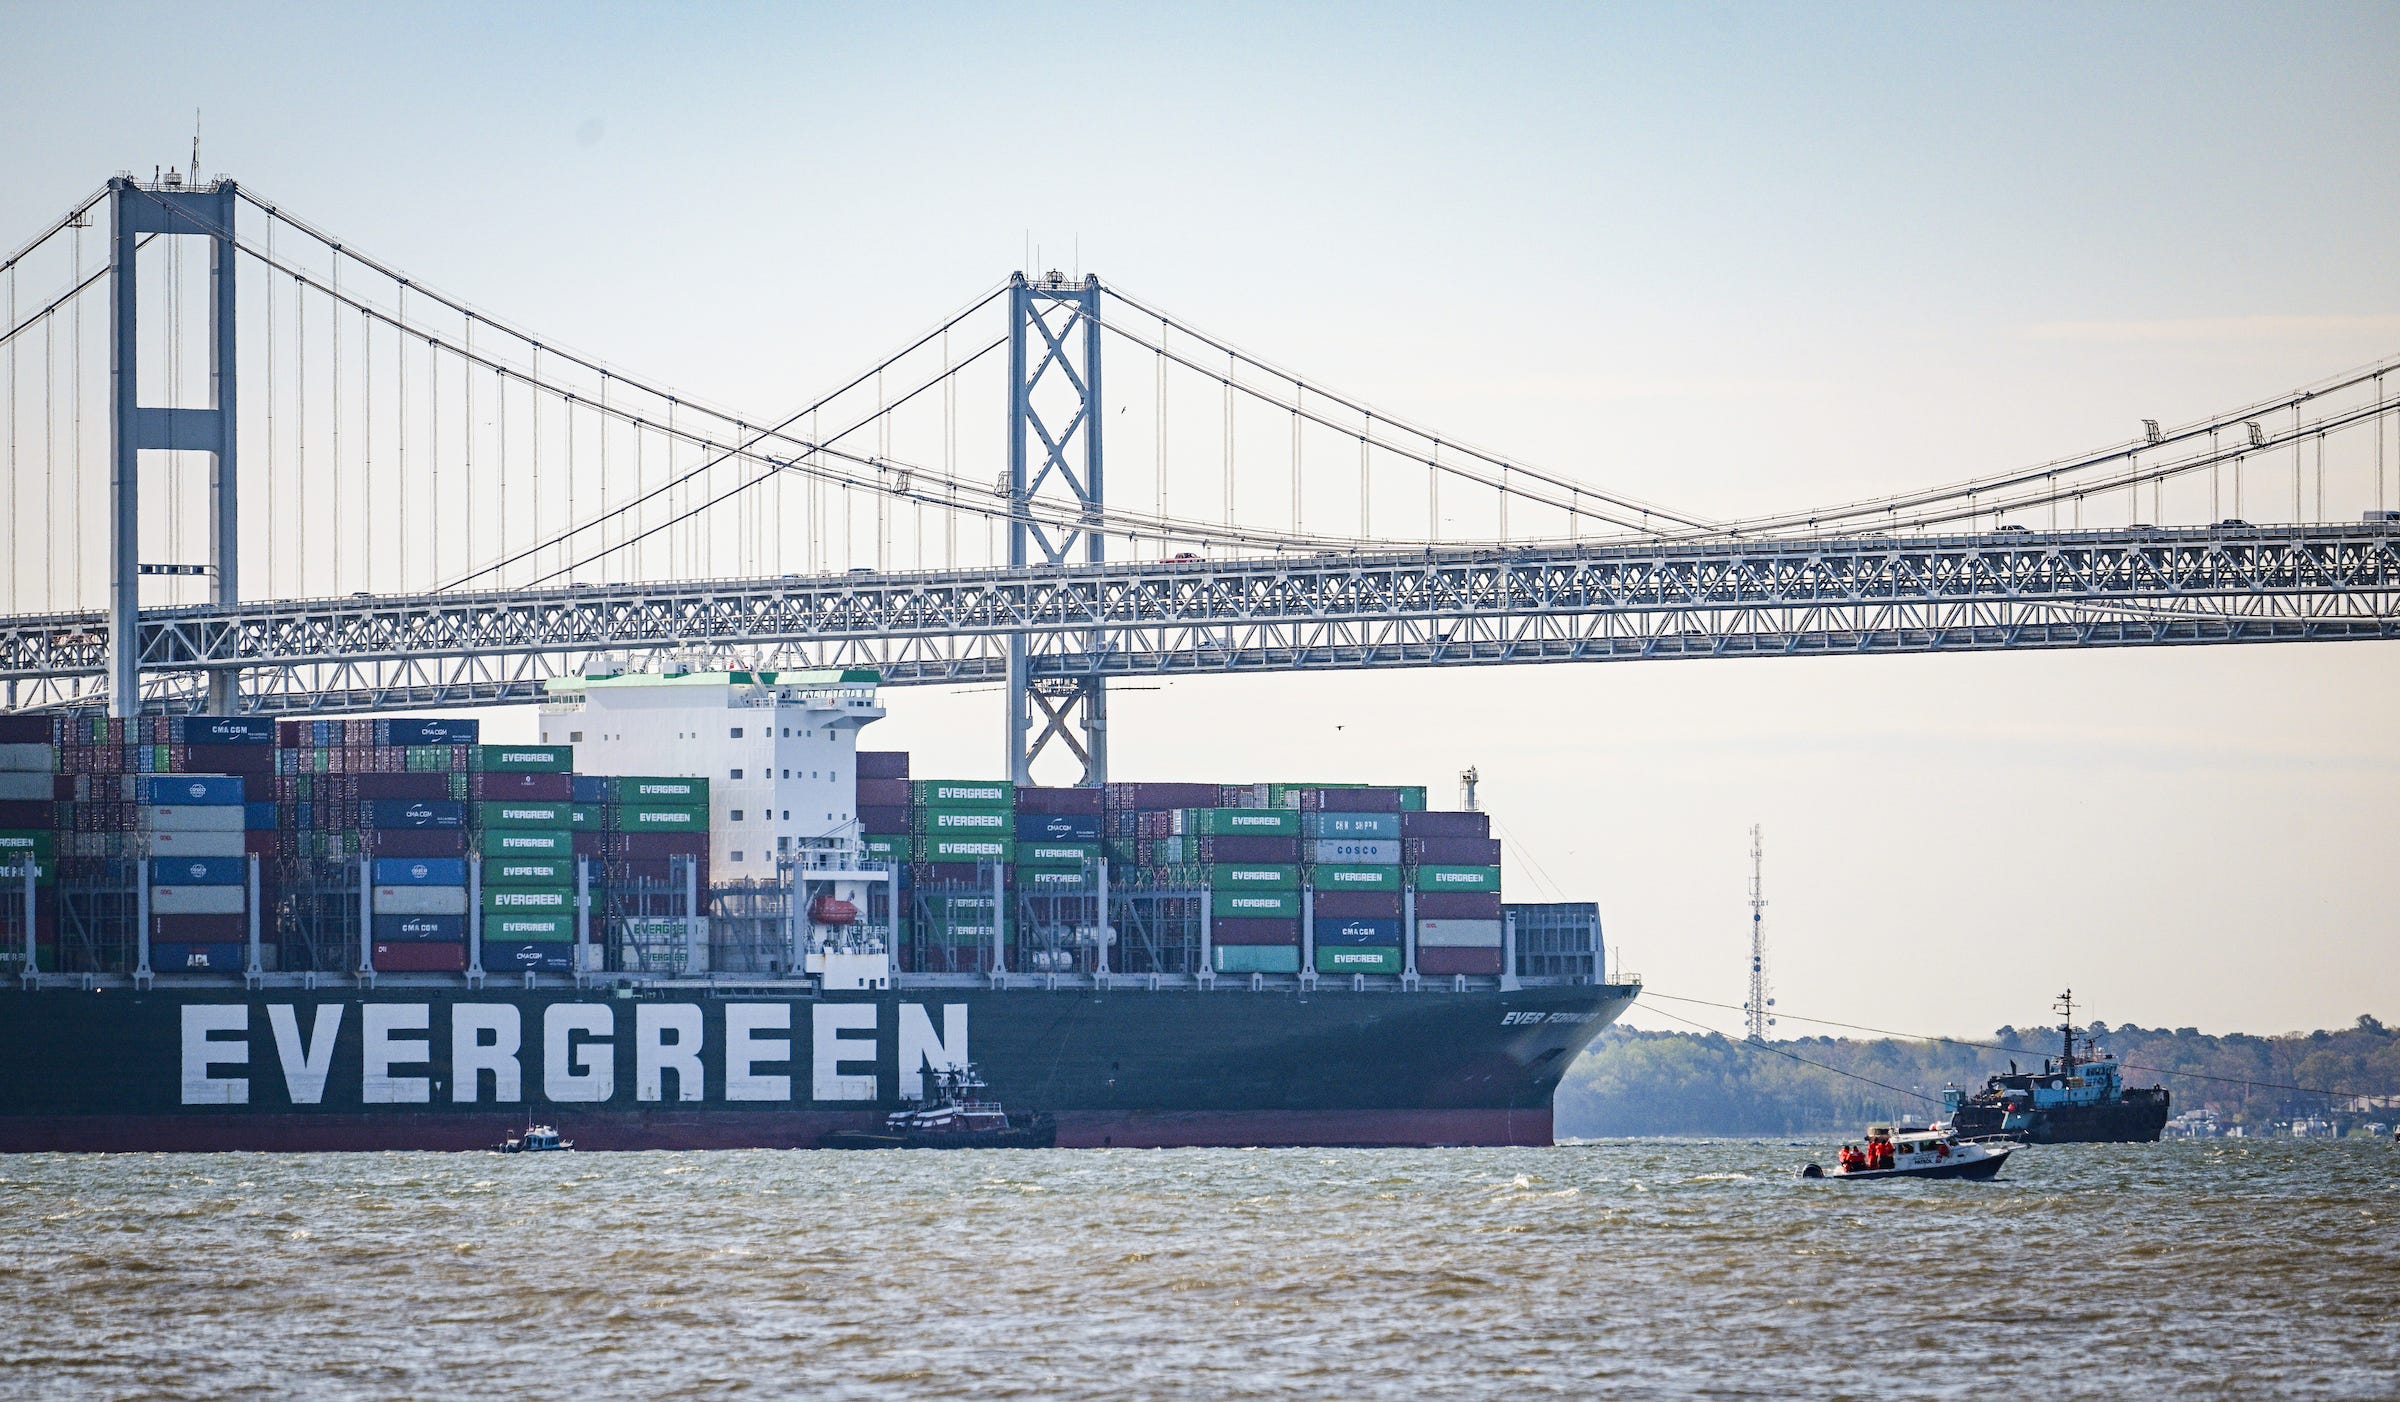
<point>1632,1082</point>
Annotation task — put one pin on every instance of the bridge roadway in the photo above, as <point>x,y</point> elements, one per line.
<point>1443,607</point>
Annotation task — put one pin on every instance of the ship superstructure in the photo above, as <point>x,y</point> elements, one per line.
<point>2076,1098</point>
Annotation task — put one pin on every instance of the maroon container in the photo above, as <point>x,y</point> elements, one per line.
<point>489,787</point>
<point>373,786</point>
<point>421,958</point>
<point>416,842</point>
<point>1242,929</point>
<point>29,730</point>
<point>1358,905</point>
<point>1085,801</point>
<point>200,929</point>
<point>1353,800</point>
<point>883,764</point>
<point>260,842</point>
<point>948,874</point>
<point>1457,961</point>
<point>1250,847</point>
<point>28,813</point>
<point>1445,825</point>
<point>882,793</point>
<point>1161,798</point>
<point>662,844</point>
<point>226,759</point>
<point>882,821</point>
<point>1451,851</point>
<point>1458,905</point>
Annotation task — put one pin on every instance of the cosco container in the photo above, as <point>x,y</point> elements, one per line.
<point>420,871</point>
<point>508,814</point>
<point>1256,959</point>
<point>1358,959</point>
<point>525,759</point>
<point>1329,877</point>
<point>420,900</point>
<point>625,790</point>
<point>528,871</point>
<point>1459,934</point>
<point>419,929</point>
<point>1357,931</point>
<point>194,790</point>
<point>1266,905</point>
<point>964,793</point>
<point>1348,851</point>
<point>199,871</point>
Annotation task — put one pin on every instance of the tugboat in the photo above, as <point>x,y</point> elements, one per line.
<point>955,1120</point>
<point>2076,1099</point>
<point>537,1139</point>
<point>1933,1152</point>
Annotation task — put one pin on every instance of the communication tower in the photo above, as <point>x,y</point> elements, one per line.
<point>1756,1009</point>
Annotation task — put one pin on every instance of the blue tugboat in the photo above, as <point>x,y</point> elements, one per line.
<point>2073,1099</point>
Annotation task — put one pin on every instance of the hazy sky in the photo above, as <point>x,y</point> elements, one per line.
<point>1734,258</point>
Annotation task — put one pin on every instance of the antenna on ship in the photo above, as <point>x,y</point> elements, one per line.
<point>1467,779</point>
<point>2065,1007</point>
<point>1756,1008</point>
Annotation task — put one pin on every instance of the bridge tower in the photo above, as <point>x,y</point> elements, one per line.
<point>170,209</point>
<point>1055,401</point>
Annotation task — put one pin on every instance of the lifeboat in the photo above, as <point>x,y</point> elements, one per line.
<point>831,910</point>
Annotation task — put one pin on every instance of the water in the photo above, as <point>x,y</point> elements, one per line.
<point>1638,1268</point>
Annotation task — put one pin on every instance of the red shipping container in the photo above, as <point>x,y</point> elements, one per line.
<point>492,788</point>
<point>1085,800</point>
<point>1458,905</point>
<point>1457,961</point>
<point>416,842</point>
<point>882,793</point>
<point>200,929</point>
<point>421,958</point>
<point>1445,825</point>
<point>883,764</point>
<point>1237,929</point>
<point>1358,905</point>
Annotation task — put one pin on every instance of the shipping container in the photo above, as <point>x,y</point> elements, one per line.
<point>882,793</point>
<point>420,958</point>
<point>248,761</point>
<point>883,764</point>
<point>416,842</point>
<point>172,843</point>
<point>1445,824</point>
<point>525,926</point>
<point>192,790</point>
<point>1254,876</point>
<point>198,900</point>
<point>413,813</point>
<point>1243,929</point>
<point>1358,959</point>
<point>260,817</point>
<point>626,790</point>
<point>525,759</point>
<point>1256,959</point>
<point>529,900</point>
<point>1354,851</point>
<point>428,730</point>
<point>965,822</point>
<point>28,813</point>
<point>1444,962</point>
<point>525,842</point>
<point>1353,825</point>
<point>420,871</point>
<point>1451,851</point>
<point>543,957</point>
<point>419,900</point>
<point>528,871</point>
<point>22,787</point>
<point>1078,802</point>
<point>1459,934</point>
<point>225,730</point>
<point>964,793</point>
<point>1237,822</point>
<point>879,819</point>
<point>1357,931</point>
<point>546,817</point>
<point>513,787</point>
<point>1328,878</point>
<point>968,849</point>
<point>1458,905</point>
<point>1058,827</point>
<point>179,958</point>
<point>23,729</point>
<point>29,758</point>
<point>1039,853</point>
<point>589,788</point>
<point>189,870</point>
<point>1478,879</point>
<point>657,817</point>
<point>419,929</point>
<point>1160,798</point>
<point>1269,905</point>
<point>1054,881</point>
<point>889,847</point>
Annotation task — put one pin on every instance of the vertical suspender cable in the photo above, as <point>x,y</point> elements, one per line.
<point>466,463</point>
<point>303,529</point>
<point>565,557</point>
<point>602,424</point>
<point>16,518</point>
<point>75,429</point>
<point>950,453</point>
<point>400,424</point>
<point>1366,484</point>
<point>271,278</point>
<point>1160,431</point>
<point>366,447</point>
<point>50,459</point>
<point>500,478</point>
<point>1229,442</point>
<point>1299,400</point>
<point>533,411</point>
<point>433,458</point>
<point>334,536</point>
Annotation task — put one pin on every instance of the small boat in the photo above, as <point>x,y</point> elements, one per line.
<point>537,1139</point>
<point>1932,1152</point>
<point>957,1119</point>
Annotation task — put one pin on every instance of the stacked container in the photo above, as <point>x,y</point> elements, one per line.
<point>198,870</point>
<point>1453,865</point>
<point>523,823</point>
<point>29,789</point>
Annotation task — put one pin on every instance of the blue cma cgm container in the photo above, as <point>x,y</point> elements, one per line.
<point>1365,931</point>
<point>1059,827</point>
<point>199,871</point>
<point>225,730</point>
<point>415,813</point>
<point>546,957</point>
<point>192,790</point>
<point>420,871</point>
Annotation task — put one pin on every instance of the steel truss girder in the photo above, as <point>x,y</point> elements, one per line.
<point>1441,608</point>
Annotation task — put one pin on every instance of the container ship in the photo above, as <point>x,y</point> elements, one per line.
<point>695,914</point>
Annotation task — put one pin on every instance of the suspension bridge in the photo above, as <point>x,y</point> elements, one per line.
<point>254,468</point>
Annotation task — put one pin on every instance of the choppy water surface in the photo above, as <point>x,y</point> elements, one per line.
<point>1640,1269</point>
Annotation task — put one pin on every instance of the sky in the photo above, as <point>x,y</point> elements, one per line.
<point>1736,258</point>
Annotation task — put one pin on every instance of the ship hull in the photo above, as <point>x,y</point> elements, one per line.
<point>454,1069</point>
<point>2139,1118</point>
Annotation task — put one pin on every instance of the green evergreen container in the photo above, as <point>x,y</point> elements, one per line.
<point>525,842</point>
<point>525,759</point>
<point>968,849</point>
<point>520,813</point>
<point>1447,878</point>
<point>889,847</point>
<point>1034,852</point>
<point>658,817</point>
<point>528,871</point>
<point>1354,878</point>
<point>529,900</point>
<point>1253,876</point>
<point>1366,959</point>
<point>626,790</point>
<point>1239,822</point>
<point>964,793</point>
<point>515,926</point>
<point>949,821</point>
<point>1260,905</point>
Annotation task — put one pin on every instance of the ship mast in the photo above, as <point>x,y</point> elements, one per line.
<point>1756,1008</point>
<point>2065,1007</point>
